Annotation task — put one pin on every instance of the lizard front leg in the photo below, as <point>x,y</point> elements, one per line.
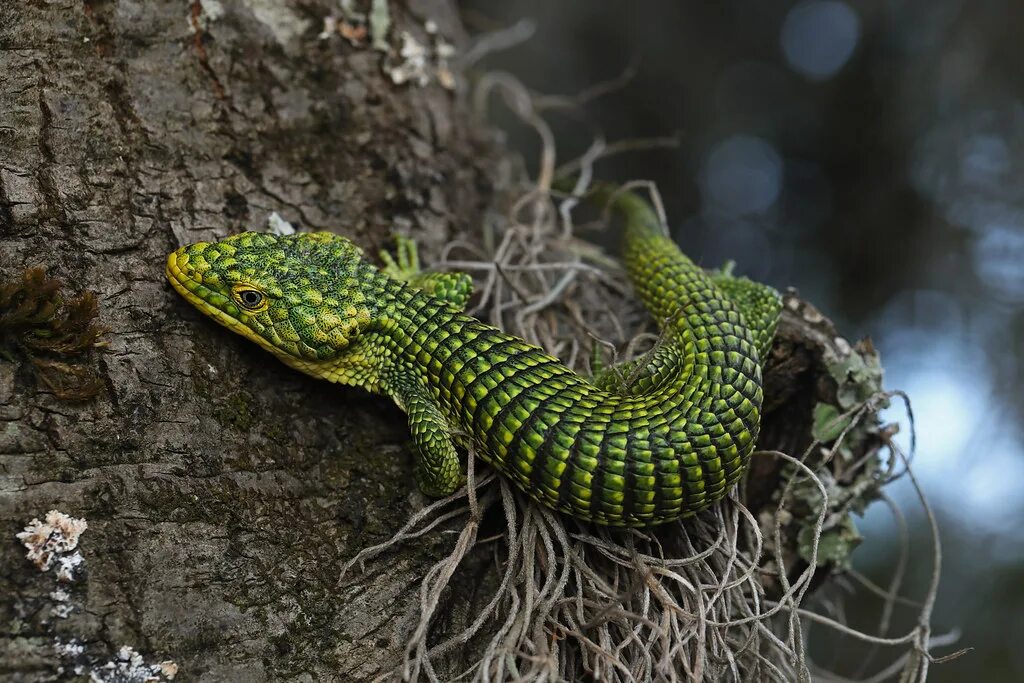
<point>437,470</point>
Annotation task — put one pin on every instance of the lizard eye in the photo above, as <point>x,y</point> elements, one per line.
<point>249,298</point>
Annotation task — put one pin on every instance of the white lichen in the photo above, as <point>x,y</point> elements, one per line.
<point>48,541</point>
<point>416,61</point>
<point>413,66</point>
<point>279,226</point>
<point>349,11</point>
<point>50,544</point>
<point>128,666</point>
<point>286,26</point>
<point>209,11</point>
<point>62,607</point>
<point>63,611</point>
<point>380,24</point>
<point>330,26</point>
<point>72,648</point>
<point>421,64</point>
<point>67,566</point>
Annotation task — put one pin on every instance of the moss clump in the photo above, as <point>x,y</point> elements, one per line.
<point>236,411</point>
<point>54,333</point>
<point>844,431</point>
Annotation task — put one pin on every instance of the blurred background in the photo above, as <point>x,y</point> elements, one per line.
<point>870,154</point>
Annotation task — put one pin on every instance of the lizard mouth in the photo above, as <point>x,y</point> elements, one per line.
<point>188,283</point>
<point>184,283</point>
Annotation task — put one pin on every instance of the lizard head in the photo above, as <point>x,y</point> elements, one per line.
<point>298,296</point>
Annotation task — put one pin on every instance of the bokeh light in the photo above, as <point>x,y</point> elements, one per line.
<point>742,175</point>
<point>999,260</point>
<point>819,36</point>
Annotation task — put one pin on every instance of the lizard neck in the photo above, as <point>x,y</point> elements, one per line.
<point>415,333</point>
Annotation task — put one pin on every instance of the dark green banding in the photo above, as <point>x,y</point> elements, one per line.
<point>671,443</point>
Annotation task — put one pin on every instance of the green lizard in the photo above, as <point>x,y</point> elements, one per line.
<point>672,443</point>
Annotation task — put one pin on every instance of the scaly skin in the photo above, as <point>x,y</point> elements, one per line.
<point>668,445</point>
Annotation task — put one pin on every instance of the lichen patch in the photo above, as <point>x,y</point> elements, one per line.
<point>49,541</point>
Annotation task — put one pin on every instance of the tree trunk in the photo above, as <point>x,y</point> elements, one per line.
<point>222,491</point>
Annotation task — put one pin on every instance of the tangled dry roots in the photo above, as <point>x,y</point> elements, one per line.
<point>712,598</point>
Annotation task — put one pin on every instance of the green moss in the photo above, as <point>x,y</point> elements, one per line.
<point>858,374</point>
<point>236,411</point>
<point>835,545</point>
<point>53,333</point>
<point>829,423</point>
<point>275,431</point>
<point>841,430</point>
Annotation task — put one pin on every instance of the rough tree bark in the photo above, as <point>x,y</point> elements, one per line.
<point>127,128</point>
<point>222,491</point>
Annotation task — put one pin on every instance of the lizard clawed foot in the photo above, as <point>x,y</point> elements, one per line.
<point>453,287</point>
<point>407,266</point>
